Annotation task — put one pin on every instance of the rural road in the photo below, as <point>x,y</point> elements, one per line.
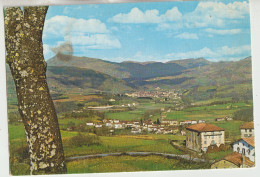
<point>186,157</point>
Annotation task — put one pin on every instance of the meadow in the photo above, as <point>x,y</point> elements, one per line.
<point>130,164</point>
<point>207,112</point>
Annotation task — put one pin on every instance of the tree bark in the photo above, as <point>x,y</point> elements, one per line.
<point>23,37</point>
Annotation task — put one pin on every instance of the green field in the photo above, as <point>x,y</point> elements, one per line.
<point>130,164</point>
<point>207,112</point>
<point>129,116</point>
<point>232,129</point>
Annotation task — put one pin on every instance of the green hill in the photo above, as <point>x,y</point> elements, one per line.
<point>65,78</point>
<point>71,79</point>
<point>106,67</point>
<point>215,80</point>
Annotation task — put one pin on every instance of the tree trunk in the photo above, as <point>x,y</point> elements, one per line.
<point>23,37</point>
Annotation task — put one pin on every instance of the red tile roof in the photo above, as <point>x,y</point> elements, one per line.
<point>247,125</point>
<point>236,159</point>
<point>204,127</point>
<point>250,141</point>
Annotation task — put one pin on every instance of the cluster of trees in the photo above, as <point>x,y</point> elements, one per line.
<point>148,113</point>
<point>84,140</point>
<point>244,114</point>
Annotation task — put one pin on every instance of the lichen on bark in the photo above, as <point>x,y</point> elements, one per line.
<point>23,38</point>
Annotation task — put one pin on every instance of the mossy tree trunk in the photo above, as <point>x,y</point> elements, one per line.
<point>23,37</point>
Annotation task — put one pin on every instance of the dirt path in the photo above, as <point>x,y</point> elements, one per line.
<point>186,156</point>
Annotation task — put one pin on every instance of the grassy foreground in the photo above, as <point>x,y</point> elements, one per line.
<point>130,164</point>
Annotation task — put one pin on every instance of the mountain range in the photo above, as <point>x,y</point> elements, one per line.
<point>83,74</point>
<point>129,69</point>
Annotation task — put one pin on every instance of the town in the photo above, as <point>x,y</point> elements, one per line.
<point>200,137</point>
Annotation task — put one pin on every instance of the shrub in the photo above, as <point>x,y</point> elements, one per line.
<point>84,140</point>
<point>223,147</point>
<point>212,149</point>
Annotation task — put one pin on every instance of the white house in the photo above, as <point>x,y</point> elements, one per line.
<point>109,124</point>
<point>129,124</point>
<point>247,130</point>
<point>200,136</point>
<point>245,146</point>
<point>116,121</point>
<point>136,130</point>
<point>118,126</point>
<point>90,124</point>
<point>194,122</point>
<point>169,121</point>
<point>98,125</point>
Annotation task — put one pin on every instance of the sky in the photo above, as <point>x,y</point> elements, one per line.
<point>153,31</point>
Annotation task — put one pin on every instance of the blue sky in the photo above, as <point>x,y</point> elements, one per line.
<point>158,31</point>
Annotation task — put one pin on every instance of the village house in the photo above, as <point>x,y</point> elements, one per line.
<point>118,125</point>
<point>219,119</point>
<point>170,122</point>
<point>246,147</point>
<point>136,125</point>
<point>148,123</point>
<point>98,125</point>
<point>116,121</point>
<point>170,130</point>
<point>247,130</point>
<point>233,160</point>
<point>200,136</point>
<point>136,130</point>
<point>164,124</point>
<point>228,118</point>
<point>186,122</point>
<point>194,122</point>
<point>129,124</point>
<point>90,124</point>
<point>109,124</point>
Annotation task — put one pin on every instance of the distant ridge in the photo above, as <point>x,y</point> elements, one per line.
<point>130,69</point>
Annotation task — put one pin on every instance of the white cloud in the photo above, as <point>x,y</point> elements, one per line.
<point>63,25</point>
<point>186,35</point>
<point>216,14</point>
<point>137,16</point>
<point>229,53</point>
<point>95,41</point>
<point>204,52</point>
<point>83,34</point>
<point>206,14</point>
<point>223,32</point>
<point>149,16</point>
<point>172,15</point>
